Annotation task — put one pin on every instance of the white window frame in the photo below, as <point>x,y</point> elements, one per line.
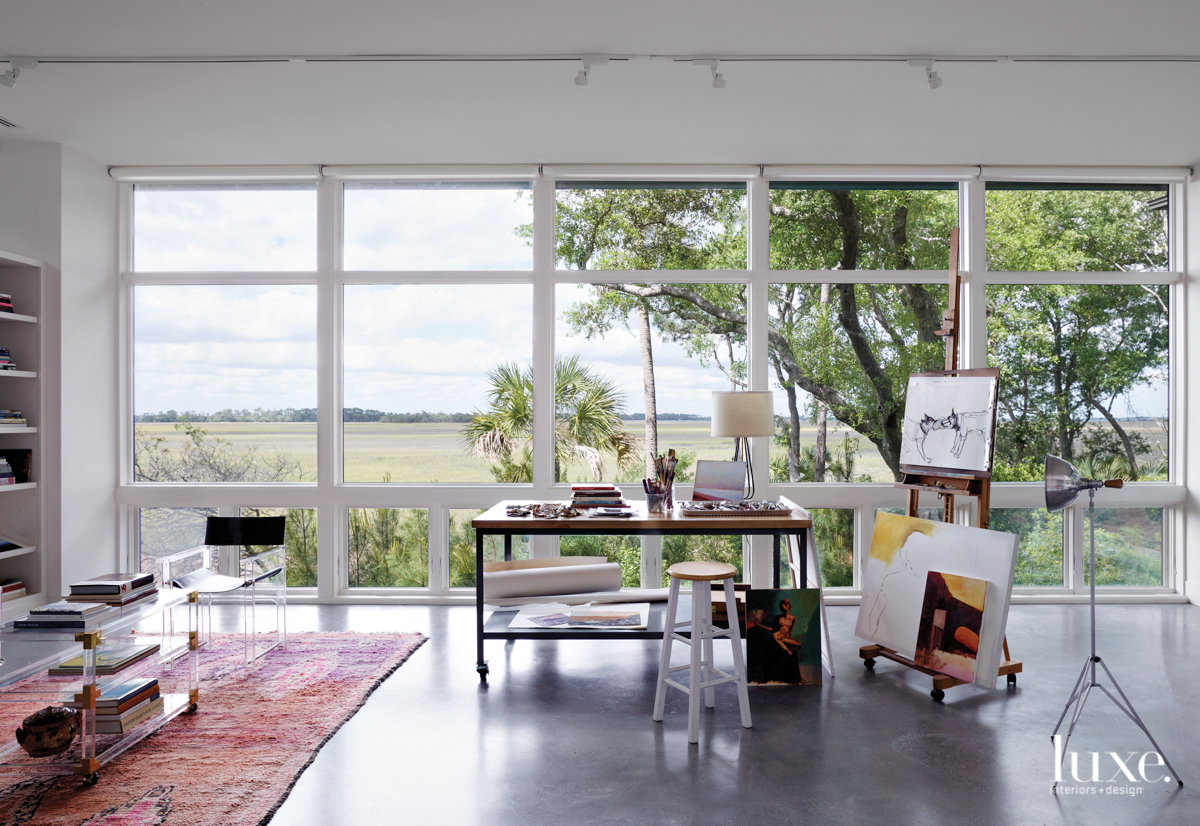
<point>332,497</point>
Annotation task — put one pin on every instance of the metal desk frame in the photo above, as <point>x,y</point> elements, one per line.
<point>495,522</point>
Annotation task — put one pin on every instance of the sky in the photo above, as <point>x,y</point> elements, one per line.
<point>407,348</point>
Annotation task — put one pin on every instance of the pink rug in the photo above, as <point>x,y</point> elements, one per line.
<point>234,761</point>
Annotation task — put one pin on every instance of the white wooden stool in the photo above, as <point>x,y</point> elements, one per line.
<point>700,668</point>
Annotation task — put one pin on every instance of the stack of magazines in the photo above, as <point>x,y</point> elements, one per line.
<point>122,707</point>
<point>66,616</point>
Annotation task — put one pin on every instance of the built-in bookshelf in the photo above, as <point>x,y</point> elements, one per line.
<point>22,504</point>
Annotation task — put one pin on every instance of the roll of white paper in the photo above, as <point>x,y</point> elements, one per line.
<point>535,582</point>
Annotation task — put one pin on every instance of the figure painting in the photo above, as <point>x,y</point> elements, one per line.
<point>951,622</point>
<point>949,422</point>
<point>903,552</point>
<point>783,636</point>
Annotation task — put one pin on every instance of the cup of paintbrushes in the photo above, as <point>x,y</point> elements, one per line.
<point>656,502</point>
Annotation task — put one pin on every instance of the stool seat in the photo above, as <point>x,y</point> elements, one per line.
<point>702,570</point>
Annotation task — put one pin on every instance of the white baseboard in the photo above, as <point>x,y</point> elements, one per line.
<point>1191,589</point>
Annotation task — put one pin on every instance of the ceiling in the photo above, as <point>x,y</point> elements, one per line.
<point>1100,113</point>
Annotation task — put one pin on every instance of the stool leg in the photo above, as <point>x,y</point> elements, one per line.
<point>664,658</point>
<point>739,665</point>
<point>694,678</point>
<point>710,693</point>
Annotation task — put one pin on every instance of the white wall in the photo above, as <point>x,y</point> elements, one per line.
<point>88,369</point>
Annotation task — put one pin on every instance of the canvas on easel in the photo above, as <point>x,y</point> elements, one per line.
<point>950,422</point>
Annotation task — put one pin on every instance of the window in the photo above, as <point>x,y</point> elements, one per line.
<point>437,383</point>
<point>225,383</point>
<point>456,373</point>
<point>224,227</point>
<point>437,226</point>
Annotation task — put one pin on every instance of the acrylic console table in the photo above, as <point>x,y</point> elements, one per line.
<point>496,522</point>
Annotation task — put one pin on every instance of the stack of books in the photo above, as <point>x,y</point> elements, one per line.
<point>7,475</point>
<point>6,303</point>
<point>6,362</point>
<point>114,589</point>
<point>11,418</point>
<point>121,707</point>
<point>12,588</point>
<point>66,616</point>
<point>597,496</point>
<point>109,660</point>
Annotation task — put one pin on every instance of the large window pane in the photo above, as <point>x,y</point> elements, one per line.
<point>726,549</point>
<point>1040,548</point>
<point>840,354</point>
<point>438,383</point>
<point>861,226</point>
<point>222,227</point>
<point>165,531</point>
<point>834,529</point>
<point>225,383</point>
<point>1129,547</point>
<point>462,547</point>
<point>1090,228</point>
<point>628,349</point>
<point>300,542</point>
<point>1083,374</point>
<point>389,548</point>
<point>625,550</point>
<point>438,226</point>
<point>640,226</point>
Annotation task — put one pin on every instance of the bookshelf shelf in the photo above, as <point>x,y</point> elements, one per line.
<point>4,429</point>
<point>24,549</point>
<point>13,488</point>
<point>18,374</point>
<point>29,319</point>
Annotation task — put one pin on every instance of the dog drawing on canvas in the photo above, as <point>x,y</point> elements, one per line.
<point>927,425</point>
<point>964,424</point>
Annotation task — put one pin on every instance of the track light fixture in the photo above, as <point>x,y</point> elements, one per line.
<point>9,78</point>
<point>581,79</point>
<point>931,77</point>
<point>718,78</point>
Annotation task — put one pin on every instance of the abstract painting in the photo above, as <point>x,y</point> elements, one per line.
<point>903,552</point>
<point>949,422</point>
<point>783,636</point>
<point>719,481</point>
<point>951,622</point>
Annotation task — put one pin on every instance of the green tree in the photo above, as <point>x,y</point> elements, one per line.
<point>588,423</point>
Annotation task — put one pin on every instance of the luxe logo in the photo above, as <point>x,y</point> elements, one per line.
<point>1128,769</point>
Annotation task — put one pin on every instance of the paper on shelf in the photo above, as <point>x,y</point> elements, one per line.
<point>589,615</point>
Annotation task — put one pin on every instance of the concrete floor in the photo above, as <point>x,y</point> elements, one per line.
<point>562,734</point>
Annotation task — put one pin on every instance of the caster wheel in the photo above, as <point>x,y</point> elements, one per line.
<point>92,779</point>
<point>938,695</point>
<point>483,672</point>
<point>1012,679</point>
<point>869,664</point>
<point>192,708</point>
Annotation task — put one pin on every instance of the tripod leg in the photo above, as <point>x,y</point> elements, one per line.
<point>1074,697</point>
<point>1133,715</point>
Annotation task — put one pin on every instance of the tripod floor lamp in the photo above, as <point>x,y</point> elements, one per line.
<point>1063,486</point>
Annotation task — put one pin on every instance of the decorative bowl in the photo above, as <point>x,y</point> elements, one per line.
<point>49,731</point>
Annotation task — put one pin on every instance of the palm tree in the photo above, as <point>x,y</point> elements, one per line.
<point>587,413</point>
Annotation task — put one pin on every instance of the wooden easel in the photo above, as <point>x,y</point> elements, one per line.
<point>947,484</point>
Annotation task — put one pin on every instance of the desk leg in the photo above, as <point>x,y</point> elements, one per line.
<point>508,547</point>
<point>480,663</point>
<point>775,572</point>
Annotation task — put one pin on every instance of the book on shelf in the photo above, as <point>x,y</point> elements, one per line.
<point>108,715</point>
<point>64,622</point>
<point>7,585</point>
<point>118,583</point>
<point>19,592</point>
<point>21,461</point>
<point>62,608</point>
<point>119,698</point>
<point>109,660</point>
<point>128,598</point>
<point>128,722</point>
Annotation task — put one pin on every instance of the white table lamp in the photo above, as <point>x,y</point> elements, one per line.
<point>742,414</point>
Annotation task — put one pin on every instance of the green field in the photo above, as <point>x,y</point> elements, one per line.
<point>435,453</point>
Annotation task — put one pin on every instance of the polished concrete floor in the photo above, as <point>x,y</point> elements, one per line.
<point>561,734</point>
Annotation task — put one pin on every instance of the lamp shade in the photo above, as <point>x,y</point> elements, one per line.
<point>743,413</point>
<point>1063,483</point>
<point>245,530</point>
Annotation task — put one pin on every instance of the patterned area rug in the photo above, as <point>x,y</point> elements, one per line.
<point>232,762</point>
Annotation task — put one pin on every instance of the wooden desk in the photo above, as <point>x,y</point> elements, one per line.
<point>496,522</point>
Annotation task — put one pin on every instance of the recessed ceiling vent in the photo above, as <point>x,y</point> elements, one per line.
<point>8,123</point>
